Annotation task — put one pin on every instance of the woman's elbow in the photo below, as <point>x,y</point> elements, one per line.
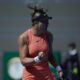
<point>23,62</point>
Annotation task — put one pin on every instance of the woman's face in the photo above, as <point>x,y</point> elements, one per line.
<point>40,27</point>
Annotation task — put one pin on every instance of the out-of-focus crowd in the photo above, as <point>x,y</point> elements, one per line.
<point>71,64</point>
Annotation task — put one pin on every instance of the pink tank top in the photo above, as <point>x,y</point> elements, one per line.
<point>39,71</point>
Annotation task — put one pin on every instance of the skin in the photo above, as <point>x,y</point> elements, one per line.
<point>37,29</point>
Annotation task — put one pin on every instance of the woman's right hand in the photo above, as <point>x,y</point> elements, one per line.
<point>42,56</point>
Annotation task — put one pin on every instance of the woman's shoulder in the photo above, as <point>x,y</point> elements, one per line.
<point>49,36</point>
<point>28,31</point>
<point>24,34</point>
<point>23,37</point>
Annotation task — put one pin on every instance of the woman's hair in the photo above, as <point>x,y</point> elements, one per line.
<point>39,14</point>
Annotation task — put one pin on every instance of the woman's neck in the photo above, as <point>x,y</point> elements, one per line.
<point>35,32</point>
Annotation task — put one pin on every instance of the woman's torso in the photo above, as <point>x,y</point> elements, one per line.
<point>37,44</point>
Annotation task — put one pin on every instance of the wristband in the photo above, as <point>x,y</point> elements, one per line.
<point>58,68</point>
<point>36,59</point>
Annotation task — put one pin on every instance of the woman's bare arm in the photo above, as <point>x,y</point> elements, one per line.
<point>51,57</point>
<point>23,51</point>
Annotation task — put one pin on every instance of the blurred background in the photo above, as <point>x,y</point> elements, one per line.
<point>15,18</point>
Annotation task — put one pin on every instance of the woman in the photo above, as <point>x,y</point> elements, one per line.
<point>35,47</point>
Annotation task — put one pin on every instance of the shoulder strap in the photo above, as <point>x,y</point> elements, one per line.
<point>29,36</point>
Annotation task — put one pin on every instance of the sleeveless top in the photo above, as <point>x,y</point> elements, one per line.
<point>35,45</point>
